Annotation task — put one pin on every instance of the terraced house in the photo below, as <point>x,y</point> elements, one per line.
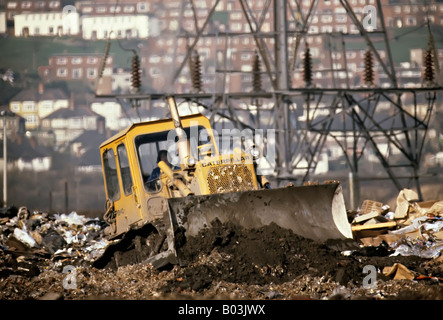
<point>33,105</point>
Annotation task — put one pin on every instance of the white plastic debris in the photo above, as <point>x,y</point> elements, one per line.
<point>24,237</point>
<point>72,219</point>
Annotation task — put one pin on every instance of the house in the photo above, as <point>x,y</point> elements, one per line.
<point>15,124</point>
<point>46,24</point>
<point>77,66</point>
<point>115,27</point>
<point>121,80</point>
<point>122,7</point>
<point>111,110</point>
<point>69,123</point>
<point>14,7</point>
<point>24,153</point>
<point>35,104</point>
<point>3,28</point>
<point>86,149</point>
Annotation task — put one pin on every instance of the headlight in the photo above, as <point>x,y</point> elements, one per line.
<point>190,162</point>
<point>255,152</point>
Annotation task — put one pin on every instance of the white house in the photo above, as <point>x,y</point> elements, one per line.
<point>111,110</point>
<point>46,24</point>
<point>121,81</point>
<point>118,26</point>
<point>36,164</point>
<point>2,22</point>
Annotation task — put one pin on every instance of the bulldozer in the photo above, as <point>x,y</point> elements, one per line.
<point>150,215</point>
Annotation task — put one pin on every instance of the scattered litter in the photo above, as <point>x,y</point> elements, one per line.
<point>416,228</point>
<point>398,272</point>
<point>32,236</point>
<point>24,237</point>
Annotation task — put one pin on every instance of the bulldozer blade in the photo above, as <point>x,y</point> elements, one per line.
<point>315,212</point>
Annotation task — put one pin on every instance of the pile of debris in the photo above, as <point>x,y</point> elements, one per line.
<point>402,247</point>
<point>413,229</point>
<point>28,239</point>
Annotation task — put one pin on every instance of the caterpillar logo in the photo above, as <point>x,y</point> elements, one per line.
<point>237,160</point>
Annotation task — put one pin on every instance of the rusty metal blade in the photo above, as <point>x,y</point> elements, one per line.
<point>315,212</point>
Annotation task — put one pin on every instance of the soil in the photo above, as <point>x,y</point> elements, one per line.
<point>229,262</point>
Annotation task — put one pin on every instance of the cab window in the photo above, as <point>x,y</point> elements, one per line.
<point>125,172</point>
<point>149,145</point>
<point>111,178</point>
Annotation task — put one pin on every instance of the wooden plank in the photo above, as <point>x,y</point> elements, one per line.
<point>390,224</point>
<point>365,217</point>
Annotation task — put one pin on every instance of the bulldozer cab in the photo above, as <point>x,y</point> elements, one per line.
<point>135,186</point>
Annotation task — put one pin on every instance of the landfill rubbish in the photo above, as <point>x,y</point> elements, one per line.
<point>398,272</point>
<point>30,236</point>
<point>229,262</point>
<point>416,228</point>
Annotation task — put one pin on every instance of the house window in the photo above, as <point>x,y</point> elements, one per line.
<point>101,9</point>
<point>12,5</point>
<point>341,18</point>
<point>87,9</point>
<point>61,60</point>
<point>351,54</point>
<point>326,18</point>
<point>76,73</point>
<point>46,106</point>
<point>91,73</point>
<point>154,72</point>
<point>341,29</point>
<point>15,107</point>
<point>245,56</point>
<point>40,4</point>
<point>326,29</point>
<point>76,122</point>
<point>115,9</point>
<point>76,60</point>
<point>236,15</point>
<point>142,7</point>
<point>31,119</point>
<point>53,4</point>
<point>411,21</point>
<point>128,9</point>
<point>91,60</point>
<point>51,30</point>
<point>236,26</point>
<point>26,4</point>
<point>29,106</point>
<point>61,72</point>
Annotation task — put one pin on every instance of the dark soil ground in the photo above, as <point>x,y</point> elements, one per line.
<point>229,262</point>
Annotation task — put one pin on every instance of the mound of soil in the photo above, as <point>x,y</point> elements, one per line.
<point>271,254</point>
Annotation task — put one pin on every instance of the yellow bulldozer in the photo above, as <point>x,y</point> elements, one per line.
<point>152,206</point>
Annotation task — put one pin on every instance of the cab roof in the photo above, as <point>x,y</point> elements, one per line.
<point>154,122</point>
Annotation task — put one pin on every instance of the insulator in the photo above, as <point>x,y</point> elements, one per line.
<point>429,67</point>
<point>105,57</point>
<point>135,73</point>
<point>256,74</point>
<point>368,76</point>
<point>307,67</point>
<point>195,70</point>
